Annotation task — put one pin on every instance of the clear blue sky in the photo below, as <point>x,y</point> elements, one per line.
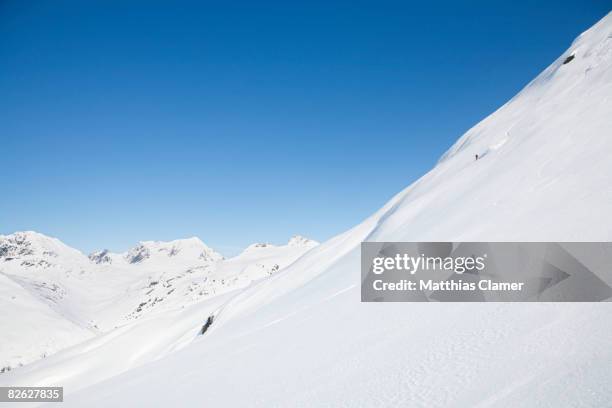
<point>124,121</point>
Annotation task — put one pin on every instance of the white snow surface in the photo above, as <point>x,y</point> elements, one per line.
<point>302,338</point>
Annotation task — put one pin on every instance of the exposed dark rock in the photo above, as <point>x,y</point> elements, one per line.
<point>101,257</point>
<point>208,323</point>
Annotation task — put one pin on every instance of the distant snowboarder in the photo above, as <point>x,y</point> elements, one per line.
<point>476,157</point>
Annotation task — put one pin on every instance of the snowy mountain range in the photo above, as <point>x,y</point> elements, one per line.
<point>301,336</point>
<point>54,296</point>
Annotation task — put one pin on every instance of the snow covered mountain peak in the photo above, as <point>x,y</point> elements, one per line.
<point>297,241</point>
<point>300,241</point>
<point>35,249</point>
<point>190,248</point>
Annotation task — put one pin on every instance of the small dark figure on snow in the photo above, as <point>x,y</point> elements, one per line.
<point>476,157</point>
<point>208,323</point>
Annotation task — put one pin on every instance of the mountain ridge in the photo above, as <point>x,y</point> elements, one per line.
<point>33,243</point>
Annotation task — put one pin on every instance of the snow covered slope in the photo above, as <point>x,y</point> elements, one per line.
<point>302,337</point>
<point>53,296</point>
<point>36,318</point>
